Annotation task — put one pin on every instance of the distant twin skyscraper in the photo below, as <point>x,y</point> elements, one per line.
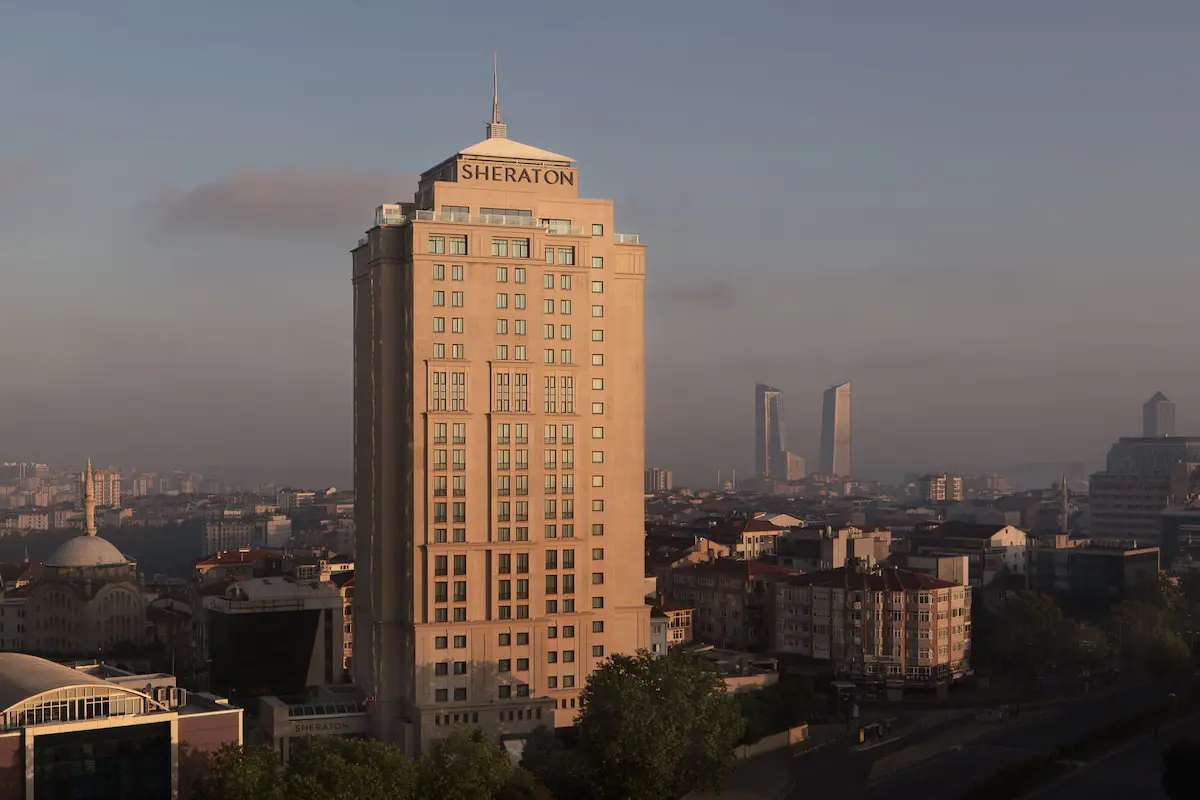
<point>1158,416</point>
<point>771,457</point>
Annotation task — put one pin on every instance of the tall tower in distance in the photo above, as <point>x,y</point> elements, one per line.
<point>835,431</point>
<point>770,434</point>
<point>89,501</point>
<point>499,446</point>
<point>1158,417</point>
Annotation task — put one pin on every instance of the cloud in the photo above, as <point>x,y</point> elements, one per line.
<point>16,175</point>
<point>284,201</point>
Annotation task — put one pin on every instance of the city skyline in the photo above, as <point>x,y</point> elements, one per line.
<point>192,312</point>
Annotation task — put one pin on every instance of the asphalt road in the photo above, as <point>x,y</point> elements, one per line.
<point>1131,771</point>
<point>951,772</point>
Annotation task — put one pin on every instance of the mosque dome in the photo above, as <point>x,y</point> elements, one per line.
<point>86,551</point>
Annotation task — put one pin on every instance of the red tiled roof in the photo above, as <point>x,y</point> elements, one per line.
<point>237,556</point>
<point>760,526</point>
<point>888,579</point>
<point>956,529</point>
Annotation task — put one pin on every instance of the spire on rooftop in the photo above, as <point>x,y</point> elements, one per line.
<point>496,129</point>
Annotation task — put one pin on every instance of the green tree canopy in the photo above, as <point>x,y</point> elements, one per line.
<point>656,728</point>
<point>1029,633</point>
<point>466,765</point>
<point>241,773</point>
<point>333,768</point>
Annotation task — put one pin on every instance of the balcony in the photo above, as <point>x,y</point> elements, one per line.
<point>627,238</point>
<point>475,219</point>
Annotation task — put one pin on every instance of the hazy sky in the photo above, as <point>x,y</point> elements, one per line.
<point>984,214</point>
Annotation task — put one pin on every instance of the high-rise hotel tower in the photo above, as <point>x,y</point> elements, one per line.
<point>498,445</point>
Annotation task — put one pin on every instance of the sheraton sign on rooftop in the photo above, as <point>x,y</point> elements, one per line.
<point>498,173</point>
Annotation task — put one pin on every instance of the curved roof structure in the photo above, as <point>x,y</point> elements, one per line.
<point>86,551</point>
<point>24,676</point>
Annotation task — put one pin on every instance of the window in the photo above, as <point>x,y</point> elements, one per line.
<point>502,326</point>
<point>598,408</point>
<point>439,433</point>
<point>460,693</point>
<point>460,458</point>
<point>598,384</point>
<point>457,325</point>
<point>439,297</point>
<point>439,350</point>
<point>597,579</point>
<point>549,395</point>
<point>597,229</point>
<point>502,459</point>
<point>456,299</point>
<point>522,690</point>
<point>551,606</point>
<point>568,483</point>
<point>597,335</point>
<point>568,656</point>
<point>522,562</point>
<point>564,332</point>
<point>439,535</point>
<point>441,642</point>
<point>522,663</point>
<point>568,682</point>
<point>547,306</point>
<point>460,615</point>
<point>597,529</point>
<point>597,311</point>
<point>549,255</point>
<point>548,355</point>
<point>597,651</point>
<point>597,287</point>
<point>597,431</point>
<point>548,331</point>
<point>597,359</point>
<point>440,565</point>
<point>501,354</point>
<point>567,387</point>
<point>460,567</point>
<point>440,615</point>
<point>457,351</point>
<point>500,248</point>
<point>440,592</point>
<point>456,272</point>
<point>439,324</point>
<point>597,602</point>
<point>501,300</point>
<point>437,244</point>
<point>503,485</point>
<point>565,282</point>
<point>505,691</point>
<point>552,632</point>
<point>568,631</point>
<point>519,327</point>
<point>503,534</point>
<point>597,262</point>
<point>568,559</point>
<point>552,657</point>
<point>522,534</point>
<point>460,642</point>
<point>598,481</point>
<point>551,584</point>
<point>441,668</point>
<point>520,353</point>
<point>597,505</point>
<point>597,456</point>
<point>552,682</point>
<point>523,611</point>
<point>519,273</point>
<point>458,391</point>
<point>566,256</point>
<point>568,459</point>
<point>440,695</point>
<point>598,626</point>
<point>549,509</point>
<point>501,274</point>
<point>549,459</point>
<point>519,302</point>
<point>458,245</point>
<point>504,563</point>
<point>549,484</point>
<point>564,306</point>
<point>564,357</point>
<point>520,248</point>
<point>548,280</point>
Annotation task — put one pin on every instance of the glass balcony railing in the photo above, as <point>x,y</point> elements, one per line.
<point>627,238</point>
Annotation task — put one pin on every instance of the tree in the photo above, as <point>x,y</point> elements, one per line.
<point>466,765</point>
<point>1029,633</point>
<point>1085,649</point>
<point>349,769</point>
<point>1147,637</point>
<point>241,773</point>
<point>656,728</point>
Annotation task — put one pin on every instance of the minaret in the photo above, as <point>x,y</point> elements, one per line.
<point>89,502</point>
<point>1065,501</point>
<point>496,129</point>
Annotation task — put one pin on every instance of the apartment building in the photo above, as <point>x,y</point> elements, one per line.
<point>499,443</point>
<point>875,625</point>
<point>733,600</point>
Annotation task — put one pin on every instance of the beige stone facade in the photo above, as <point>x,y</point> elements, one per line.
<point>499,376</point>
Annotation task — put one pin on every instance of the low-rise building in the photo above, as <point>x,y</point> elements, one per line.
<point>732,598</point>
<point>991,549</point>
<point>820,547</point>
<point>885,625</point>
<point>96,731</point>
<point>1089,574</point>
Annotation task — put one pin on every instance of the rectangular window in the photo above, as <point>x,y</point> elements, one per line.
<point>549,255</point>
<point>522,485</point>
<point>458,245</point>
<point>598,626</point>
<point>460,642</point>
<point>457,351</point>
<point>597,529</point>
<point>520,248</point>
<point>440,565</point>
<point>460,512</point>
<point>549,395</point>
<point>568,581</point>
<point>598,481</point>
<point>441,642</point>
<point>460,458</point>
<point>597,602</point>
<point>597,578</point>
<point>597,335</point>
<point>564,331</point>
<point>564,357</point>
<point>568,682</point>
<point>549,458</point>
<point>439,297</point>
<point>548,280</point>
<point>437,244</point>
<point>597,359</point>
<point>597,651</point>
<point>503,534</point>
<point>522,433</point>
<point>548,356</point>
<point>439,433</point>
<point>597,287</point>
<point>568,656</point>
<point>502,459</point>
<point>504,563</point>
<point>502,352</point>
<point>502,326</point>
<point>566,256</point>
<point>552,682</point>
<point>523,613</point>
<point>522,563</point>
<point>549,509</point>
<point>568,459</point>
<point>568,509</point>
<point>551,606</point>
<point>440,695</point>
<point>548,331</point>
<point>519,327</point>
<point>439,324</point>
<point>439,485</point>
<point>597,229</point>
<point>568,558</point>
<point>458,391</point>
<point>519,302</point>
<point>505,691</point>
<point>567,388</point>
<point>597,408</point>
<point>439,535</point>
<point>564,282</point>
<point>568,436</point>
<point>597,262</point>
<point>598,384</point>
<point>597,505</point>
<point>551,584</point>
<point>501,274</point>
<point>440,592</point>
<point>564,306</point>
<point>500,248</point>
<point>568,484</point>
<point>460,692</point>
<point>548,306</point>
<point>456,299</point>
<point>460,591</point>
<point>503,485</point>
<point>501,300</point>
<point>522,663</point>
<point>457,325</point>
<point>441,615</point>
<point>597,554</point>
<point>456,272</point>
<point>439,350</point>
<point>549,481</point>
<point>519,273</point>
<point>597,311</point>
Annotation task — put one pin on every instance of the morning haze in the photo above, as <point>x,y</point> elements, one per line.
<point>982,217</point>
